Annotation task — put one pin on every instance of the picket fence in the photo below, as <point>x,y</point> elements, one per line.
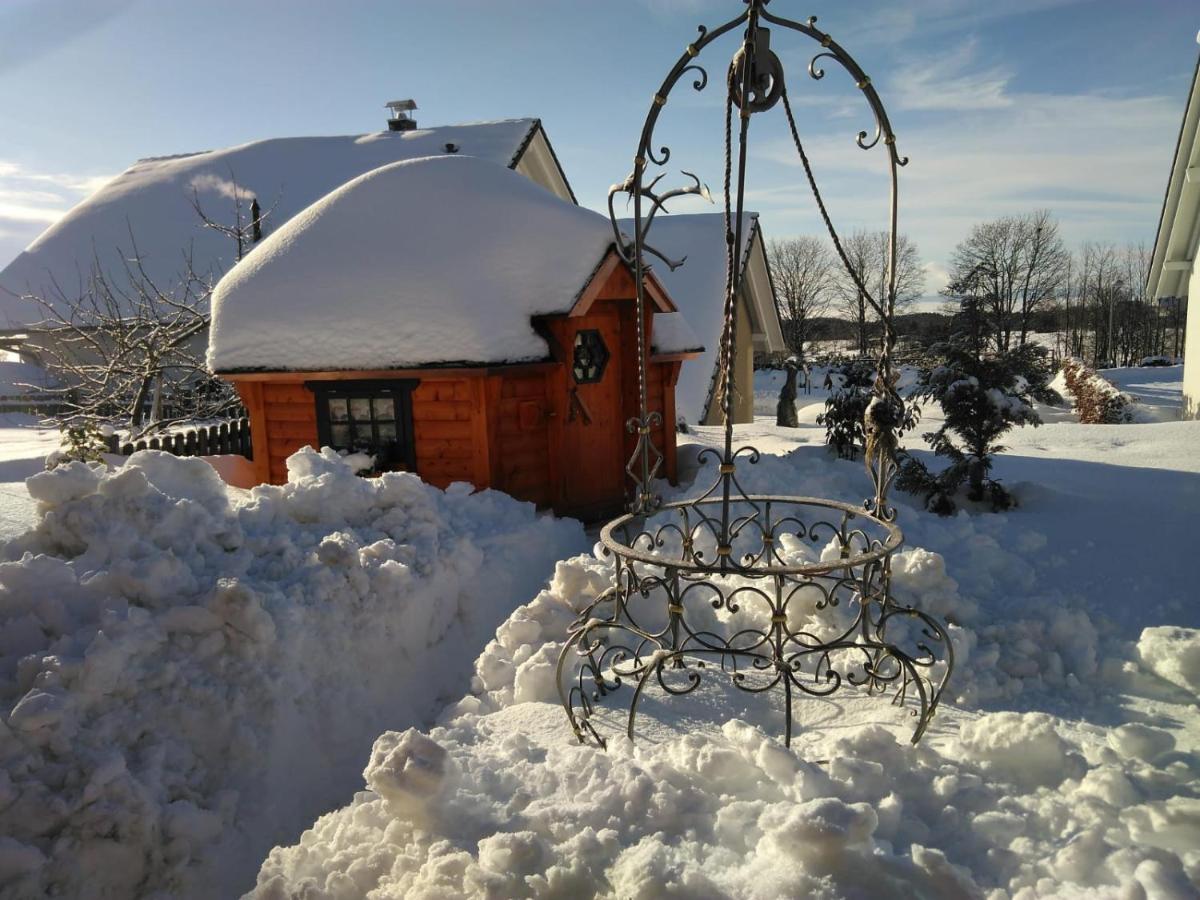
<point>229,437</point>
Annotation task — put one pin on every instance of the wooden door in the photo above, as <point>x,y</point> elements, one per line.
<point>593,426</point>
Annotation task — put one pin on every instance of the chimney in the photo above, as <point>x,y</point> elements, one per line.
<point>400,119</point>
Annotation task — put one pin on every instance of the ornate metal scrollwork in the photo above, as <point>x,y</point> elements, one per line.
<point>772,592</point>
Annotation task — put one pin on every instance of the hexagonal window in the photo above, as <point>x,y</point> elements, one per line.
<point>591,356</point>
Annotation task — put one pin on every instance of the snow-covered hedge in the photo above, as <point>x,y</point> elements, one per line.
<point>189,675</point>
<point>1097,400</point>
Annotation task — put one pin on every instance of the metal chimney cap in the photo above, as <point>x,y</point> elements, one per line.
<point>401,105</point>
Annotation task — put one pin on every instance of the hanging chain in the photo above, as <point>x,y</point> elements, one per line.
<point>731,256</point>
<point>884,416</point>
<point>816,192</point>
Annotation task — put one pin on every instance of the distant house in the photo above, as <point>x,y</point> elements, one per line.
<point>1174,273</point>
<point>448,317</point>
<point>150,203</point>
<point>698,287</point>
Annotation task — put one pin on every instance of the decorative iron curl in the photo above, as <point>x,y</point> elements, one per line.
<point>767,644</point>
<point>702,82</point>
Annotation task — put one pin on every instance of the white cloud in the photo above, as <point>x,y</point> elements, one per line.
<point>948,83</point>
<point>893,22</point>
<point>937,277</point>
<point>1099,163</point>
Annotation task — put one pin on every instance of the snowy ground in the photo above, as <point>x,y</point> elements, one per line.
<point>23,449</point>
<point>1158,390</point>
<point>1066,764</point>
<point>189,675</point>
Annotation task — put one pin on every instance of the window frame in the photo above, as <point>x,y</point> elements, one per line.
<point>398,390</point>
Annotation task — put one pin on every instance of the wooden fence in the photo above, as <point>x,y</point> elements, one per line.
<point>229,437</point>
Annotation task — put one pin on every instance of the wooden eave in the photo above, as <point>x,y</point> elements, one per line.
<point>458,371</point>
<point>599,281</point>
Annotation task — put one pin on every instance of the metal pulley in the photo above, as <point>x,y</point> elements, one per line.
<point>765,86</point>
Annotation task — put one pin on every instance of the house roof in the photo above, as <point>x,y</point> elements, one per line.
<point>698,289</point>
<point>1178,238</point>
<point>435,261</point>
<point>150,203</point>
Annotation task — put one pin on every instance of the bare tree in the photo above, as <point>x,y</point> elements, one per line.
<point>867,254</point>
<point>802,272</point>
<point>1101,284</point>
<point>1022,263</point>
<point>128,352</point>
<point>245,227</point>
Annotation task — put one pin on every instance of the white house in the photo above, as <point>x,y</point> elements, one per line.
<point>1174,273</point>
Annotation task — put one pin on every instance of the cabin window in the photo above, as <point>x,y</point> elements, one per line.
<point>591,356</point>
<point>372,417</point>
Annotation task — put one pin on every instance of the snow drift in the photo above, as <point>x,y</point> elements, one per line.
<point>188,675</point>
<point>1066,764</point>
<point>500,801</point>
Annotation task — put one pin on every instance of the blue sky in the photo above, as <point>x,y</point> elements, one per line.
<point>1003,106</point>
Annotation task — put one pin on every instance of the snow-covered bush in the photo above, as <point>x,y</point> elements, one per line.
<point>981,398</point>
<point>189,675</point>
<point>1097,400</point>
<point>82,441</point>
<point>853,389</point>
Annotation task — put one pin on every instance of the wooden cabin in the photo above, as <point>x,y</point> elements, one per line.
<point>450,318</point>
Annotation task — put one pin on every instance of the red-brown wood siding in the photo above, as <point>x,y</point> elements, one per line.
<point>511,429</point>
<point>447,415</point>
<point>520,430</point>
<point>290,412</point>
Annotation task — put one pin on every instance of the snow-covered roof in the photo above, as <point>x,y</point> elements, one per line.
<point>431,261</point>
<point>152,201</point>
<point>1176,244</point>
<point>698,289</point>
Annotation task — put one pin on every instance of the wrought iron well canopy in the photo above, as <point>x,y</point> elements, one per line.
<point>772,592</point>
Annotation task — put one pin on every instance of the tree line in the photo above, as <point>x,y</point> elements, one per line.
<point>1009,278</point>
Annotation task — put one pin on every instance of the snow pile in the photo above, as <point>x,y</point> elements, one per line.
<point>1158,390</point>
<point>189,674</point>
<point>434,260</point>
<point>1061,764</point>
<point>1172,654</point>
<point>500,800</point>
